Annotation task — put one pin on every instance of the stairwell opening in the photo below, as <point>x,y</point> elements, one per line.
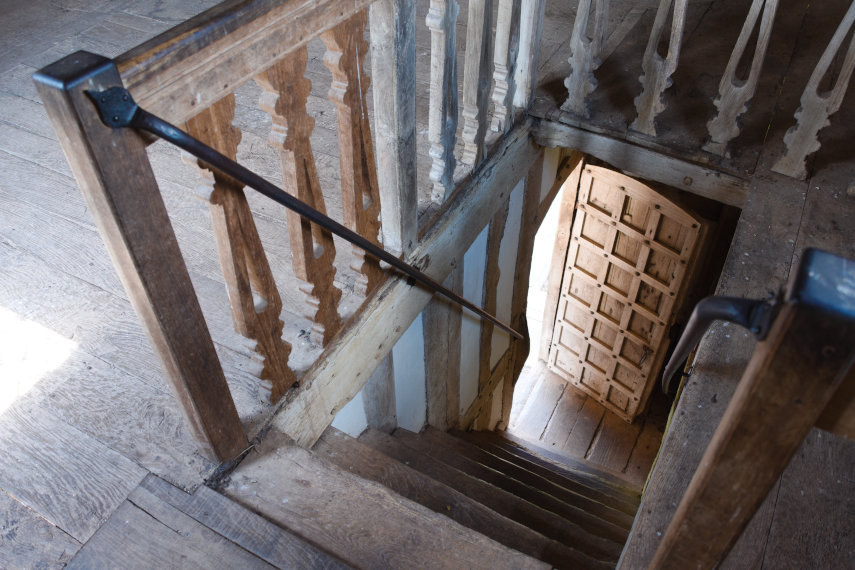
<point>602,316</point>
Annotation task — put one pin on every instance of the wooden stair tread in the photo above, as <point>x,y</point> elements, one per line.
<point>541,520</point>
<point>603,486</point>
<point>446,449</point>
<point>369,463</point>
<point>360,521</point>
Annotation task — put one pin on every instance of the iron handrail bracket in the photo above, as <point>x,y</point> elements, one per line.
<point>118,109</point>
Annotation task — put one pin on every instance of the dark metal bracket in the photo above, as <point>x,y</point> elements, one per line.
<point>755,315</point>
<point>118,109</point>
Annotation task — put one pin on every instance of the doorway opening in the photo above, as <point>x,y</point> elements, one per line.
<point>618,265</point>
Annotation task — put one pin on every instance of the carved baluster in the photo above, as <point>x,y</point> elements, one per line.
<point>733,93</point>
<point>254,298</point>
<point>585,54</point>
<point>657,71</point>
<point>504,61</point>
<point>442,123</point>
<point>346,51</point>
<point>476,80</point>
<point>312,248</point>
<point>812,116</point>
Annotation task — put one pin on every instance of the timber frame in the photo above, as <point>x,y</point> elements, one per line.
<point>487,198</point>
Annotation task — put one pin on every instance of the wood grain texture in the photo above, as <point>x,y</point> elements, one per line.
<point>441,329</point>
<point>29,541</point>
<point>585,56</point>
<point>525,73</point>
<point>656,77</point>
<point>393,63</point>
<point>360,459</point>
<point>498,500</point>
<point>123,198</point>
<point>647,164</point>
<point>360,521</point>
<point>346,51</point>
<point>246,529</point>
<point>185,69</point>
<point>734,94</point>
<point>378,397</point>
<point>442,123</point>
<point>146,532</point>
<point>476,79</point>
<point>253,294</point>
<point>45,457</point>
<point>285,92</point>
<point>346,365</point>
<point>504,64</point>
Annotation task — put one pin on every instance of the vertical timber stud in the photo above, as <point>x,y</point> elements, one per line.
<point>792,376</point>
<point>118,184</point>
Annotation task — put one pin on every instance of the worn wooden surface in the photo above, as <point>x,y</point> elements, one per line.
<point>28,540</point>
<point>361,521</point>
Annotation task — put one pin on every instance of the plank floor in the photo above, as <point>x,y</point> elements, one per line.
<point>87,425</point>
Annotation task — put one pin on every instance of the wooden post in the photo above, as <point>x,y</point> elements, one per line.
<point>346,51</point>
<point>253,296</point>
<point>787,385</point>
<point>114,174</point>
<point>285,91</point>
<point>442,121</point>
<point>504,64</point>
<point>585,55</point>
<point>393,64</point>
<point>658,70</point>
<point>734,94</point>
<point>476,80</point>
<point>816,108</point>
<point>525,74</point>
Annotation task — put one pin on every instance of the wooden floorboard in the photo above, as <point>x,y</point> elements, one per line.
<point>29,541</point>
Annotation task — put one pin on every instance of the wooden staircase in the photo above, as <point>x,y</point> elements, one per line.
<point>406,500</point>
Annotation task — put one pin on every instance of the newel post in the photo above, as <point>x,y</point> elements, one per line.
<point>116,179</point>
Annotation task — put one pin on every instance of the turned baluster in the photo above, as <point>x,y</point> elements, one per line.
<point>585,54</point>
<point>658,70</point>
<point>476,80</point>
<point>531,26</point>
<point>734,94</point>
<point>346,51</point>
<point>504,63</point>
<point>442,123</point>
<point>254,298</point>
<point>284,99</point>
<point>812,116</point>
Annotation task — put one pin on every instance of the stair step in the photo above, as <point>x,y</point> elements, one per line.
<point>507,504</point>
<point>602,487</point>
<point>360,521</point>
<point>571,492</point>
<point>453,451</point>
<point>369,463</point>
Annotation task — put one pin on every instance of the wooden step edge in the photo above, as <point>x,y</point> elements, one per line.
<point>533,516</point>
<point>619,496</point>
<point>442,448</point>
<point>248,530</point>
<point>552,460</point>
<point>570,491</point>
<point>360,521</point>
<point>363,460</point>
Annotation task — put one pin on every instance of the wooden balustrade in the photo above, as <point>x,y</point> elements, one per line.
<point>253,295</point>
<point>816,108</point>
<point>504,64</point>
<point>734,93</point>
<point>658,70</point>
<point>585,56</point>
<point>476,78</point>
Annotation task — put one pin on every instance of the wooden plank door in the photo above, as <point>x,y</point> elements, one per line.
<point>626,266</point>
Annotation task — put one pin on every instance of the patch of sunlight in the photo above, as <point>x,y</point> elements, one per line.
<point>28,351</point>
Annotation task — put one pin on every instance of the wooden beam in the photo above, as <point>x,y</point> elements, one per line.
<point>183,70</point>
<point>485,395</point>
<point>645,163</point>
<point>346,364</point>
<point>115,176</point>
<point>789,381</point>
<point>393,65</point>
